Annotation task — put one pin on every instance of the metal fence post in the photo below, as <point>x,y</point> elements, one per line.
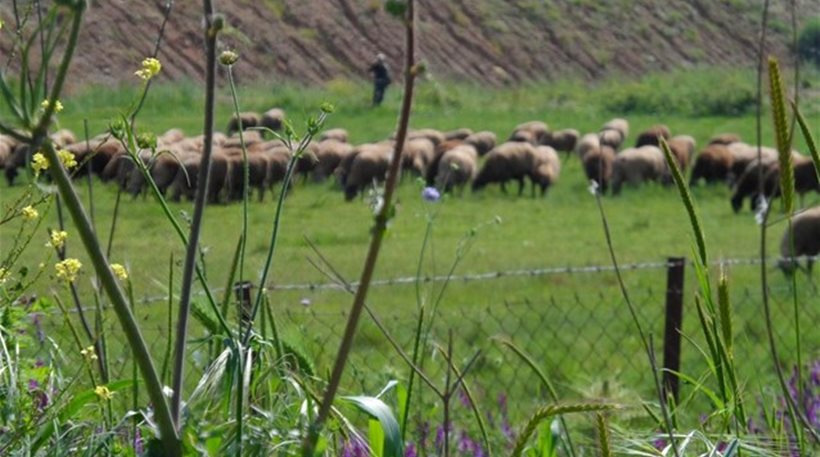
<point>674,324</point>
<point>243,296</point>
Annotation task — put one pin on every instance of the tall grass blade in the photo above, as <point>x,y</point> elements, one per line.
<point>603,437</point>
<point>547,412</point>
<point>812,145</point>
<point>393,444</point>
<point>725,314</point>
<point>683,189</point>
<point>781,130</point>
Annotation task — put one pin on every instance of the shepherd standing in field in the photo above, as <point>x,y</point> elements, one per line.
<point>381,79</point>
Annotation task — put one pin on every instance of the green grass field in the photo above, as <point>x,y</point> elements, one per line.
<point>576,323</point>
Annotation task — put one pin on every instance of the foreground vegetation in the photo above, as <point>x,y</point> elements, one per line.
<point>264,385</point>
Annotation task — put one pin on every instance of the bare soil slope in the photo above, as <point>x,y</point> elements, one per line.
<point>489,41</point>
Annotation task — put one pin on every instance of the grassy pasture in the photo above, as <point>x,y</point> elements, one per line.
<point>576,321</point>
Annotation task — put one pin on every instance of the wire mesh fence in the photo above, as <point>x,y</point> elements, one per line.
<point>577,330</point>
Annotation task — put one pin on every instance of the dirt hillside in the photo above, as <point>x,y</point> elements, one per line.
<point>490,41</point>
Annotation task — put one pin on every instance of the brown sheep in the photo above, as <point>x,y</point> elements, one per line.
<point>334,134</point>
<point>611,137</point>
<point>163,169</point>
<point>562,140</point>
<point>6,149</point>
<point>805,178</point>
<point>273,119</point>
<point>546,170</point>
<point>524,136</point>
<point>417,156</point>
<point>682,148</point>
<point>278,159</point>
<point>725,138</point>
<point>598,166</point>
<point>248,120</point>
<point>19,157</point>
<point>369,165</point>
<point>649,137</point>
<point>186,181</point>
<point>170,137</point>
<point>803,240</point>
<point>329,155</point>
<point>458,134</point>
<point>636,165</point>
<point>743,154</point>
<point>588,143</point>
<point>748,184</point>
<point>483,141</point>
<point>457,168</point>
<point>431,134</point>
<point>258,167</point>
<point>249,137</point>
<point>621,125</point>
<point>432,167</point>
<point>508,161</point>
<point>712,164</point>
<point>538,130</point>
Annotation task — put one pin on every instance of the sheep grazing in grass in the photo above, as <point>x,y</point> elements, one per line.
<point>725,138</point>
<point>418,155</point>
<point>805,178</point>
<point>370,164</point>
<point>649,137</point>
<point>458,134</point>
<point>334,134</point>
<point>546,169</point>
<point>249,137</point>
<point>171,136</point>
<point>457,168</point>
<point>431,134</point>
<point>247,119</point>
<point>637,165</point>
<point>588,143</point>
<point>562,140</point>
<point>511,161</point>
<point>803,240</point>
<point>483,141</point>
<point>713,164</point>
<point>743,154</point>
<point>598,166</point>
<point>531,132</point>
<point>273,119</point>
<point>621,125</point>
<point>748,185</point>
<point>329,155</point>
<point>683,148</point>
<point>432,167</point>
<point>612,138</point>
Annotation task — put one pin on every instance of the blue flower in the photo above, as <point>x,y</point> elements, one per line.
<point>431,194</point>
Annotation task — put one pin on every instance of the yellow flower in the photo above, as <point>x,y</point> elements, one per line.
<point>29,213</point>
<point>150,68</point>
<point>119,271</point>
<point>39,163</point>
<point>103,393</point>
<point>67,159</point>
<point>89,353</point>
<point>58,238</point>
<point>58,106</point>
<point>68,269</point>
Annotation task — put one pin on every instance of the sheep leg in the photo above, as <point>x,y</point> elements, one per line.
<point>520,186</point>
<point>504,187</point>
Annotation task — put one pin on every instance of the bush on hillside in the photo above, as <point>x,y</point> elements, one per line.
<point>808,42</point>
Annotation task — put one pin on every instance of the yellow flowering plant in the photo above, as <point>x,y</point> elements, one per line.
<point>104,393</point>
<point>58,106</point>
<point>150,68</point>
<point>39,163</point>
<point>67,159</point>
<point>29,213</point>
<point>57,239</point>
<point>119,271</point>
<point>68,269</point>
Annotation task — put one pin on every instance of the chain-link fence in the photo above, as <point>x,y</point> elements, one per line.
<point>577,330</point>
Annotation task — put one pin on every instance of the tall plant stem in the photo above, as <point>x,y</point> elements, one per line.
<point>375,242</point>
<point>129,325</point>
<point>199,209</point>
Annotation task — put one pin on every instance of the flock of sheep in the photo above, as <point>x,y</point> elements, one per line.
<point>450,161</point>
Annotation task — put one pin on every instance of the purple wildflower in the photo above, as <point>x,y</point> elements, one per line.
<point>462,396</point>
<point>439,442</point>
<point>659,443</point>
<point>430,194</point>
<point>38,328</point>
<point>138,446</point>
<point>410,450</point>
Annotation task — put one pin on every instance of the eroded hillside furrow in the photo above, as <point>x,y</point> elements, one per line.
<point>487,41</point>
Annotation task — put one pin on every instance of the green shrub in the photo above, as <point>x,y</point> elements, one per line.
<point>808,43</point>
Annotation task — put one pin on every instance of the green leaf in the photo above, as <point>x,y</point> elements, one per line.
<point>392,444</point>
<point>73,407</point>
<point>395,8</point>
<point>375,434</point>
